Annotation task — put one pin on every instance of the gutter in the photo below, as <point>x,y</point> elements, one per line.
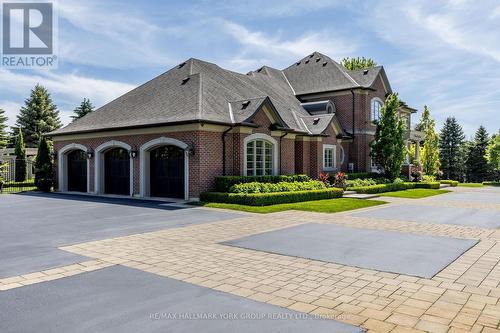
<point>223,137</point>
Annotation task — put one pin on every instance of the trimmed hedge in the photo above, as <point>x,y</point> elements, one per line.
<point>266,199</point>
<point>491,183</point>
<point>453,183</point>
<point>381,188</point>
<point>431,185</point>
<point>255,187</point>
<point>224,183</point>
<point>26,183</point>
<point>364,175</point>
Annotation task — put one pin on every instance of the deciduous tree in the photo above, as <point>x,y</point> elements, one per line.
<point>358,63</point>
<point>430,151</point>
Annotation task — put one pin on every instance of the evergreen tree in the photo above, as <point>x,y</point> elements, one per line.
<point>4,137</point>
<point>451,152</point>
<point>477,164</point>
<point>43,166</point>
<point>85,108</point>
<point>493,155</point>
<point>430,151</point>
<point>38,116</point>
<point>358,63</point>
<point>389,146</point>
<point>20,152</point>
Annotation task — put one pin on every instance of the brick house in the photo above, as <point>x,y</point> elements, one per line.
<point>172,135</point>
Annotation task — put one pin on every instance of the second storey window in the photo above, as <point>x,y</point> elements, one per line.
<point>376,107</point>
<point>329,157</point>
<point>259,158</point>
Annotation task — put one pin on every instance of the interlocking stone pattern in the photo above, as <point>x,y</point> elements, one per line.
<point>463,297</point>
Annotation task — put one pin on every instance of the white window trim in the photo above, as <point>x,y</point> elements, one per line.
<point>334,157</point>
<point>144,155</point>
<point>261,136</point>
<point>342,155</point>
<point>62,165</point>
<point>371,107</point>
<point>99,165</point>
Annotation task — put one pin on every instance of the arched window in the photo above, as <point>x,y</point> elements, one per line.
<point>376,107</point>
<point>259,158</point>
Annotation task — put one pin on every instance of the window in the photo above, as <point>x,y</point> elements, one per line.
<point>329,157</point>
<point>376,107</point>
<point>259,158</point>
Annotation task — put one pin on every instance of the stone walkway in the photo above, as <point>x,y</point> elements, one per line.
<point>464,297</point>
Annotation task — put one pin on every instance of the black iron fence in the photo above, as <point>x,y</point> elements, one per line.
<point>17,176</point>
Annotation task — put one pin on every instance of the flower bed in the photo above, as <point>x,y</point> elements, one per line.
<point>265,199</point>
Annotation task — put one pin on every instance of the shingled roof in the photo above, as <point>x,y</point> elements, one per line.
<point>199,91</point>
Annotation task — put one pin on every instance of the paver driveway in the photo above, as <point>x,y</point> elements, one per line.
<point>463,297</point>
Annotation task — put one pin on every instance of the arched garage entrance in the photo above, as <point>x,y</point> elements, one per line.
<point>77,171</point>
<point>117,171</point>
<point>166,177</point>
<point>165,168</point>
<point>113,168</point>
<point>73,168</point>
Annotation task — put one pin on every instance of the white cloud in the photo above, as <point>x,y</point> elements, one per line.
<point>67,90</point>
<point>11,110</point>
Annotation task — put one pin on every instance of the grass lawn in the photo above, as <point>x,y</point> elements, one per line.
<point>471,184</point>
<point>322,206</point>
<point>414,193</point>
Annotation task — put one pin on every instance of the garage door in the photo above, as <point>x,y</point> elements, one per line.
<point>77,171</point>
<point>117,172</point>
<point>167,172</point>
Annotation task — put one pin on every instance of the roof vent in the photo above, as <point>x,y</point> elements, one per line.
<point>365,72</point>
<point>312,55</point>
<point>182,65</point>
<point>318,59</point>
<point>245,104</point>
<point>184,80</point>
<point>315,121</point>
<point>260,69</point>
<point>297,63</point>
<point>324,64</point>
<point>307,61</point>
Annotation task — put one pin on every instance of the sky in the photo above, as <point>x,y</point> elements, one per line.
<point>444,54</point>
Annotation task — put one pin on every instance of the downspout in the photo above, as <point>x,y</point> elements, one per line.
<point>223,137</point>
<point>281,137</point>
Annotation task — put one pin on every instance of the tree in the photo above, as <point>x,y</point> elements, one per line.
<point>20,152</point>
<point>389,146</point>
<point>38,116</point>
<point>430,151</point>
<point>451,152</point>
<point>477,164</point>
<point>43,166</point>
<point>493,155</point>
<point>85,108</point>
<point>358,63</point>
<point>4,137</point>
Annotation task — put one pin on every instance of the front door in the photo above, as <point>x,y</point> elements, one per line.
<point>167,172</point>
<point>117,172</point>
<point>77,171</point>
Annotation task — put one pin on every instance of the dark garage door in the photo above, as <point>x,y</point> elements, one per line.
<point>117,172</point>
<point>77,171</point>
<point>167,172</point>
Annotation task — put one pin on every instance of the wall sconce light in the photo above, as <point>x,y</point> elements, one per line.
<point>133,153</point>
<point>90,154</point>
<point>190,151</point>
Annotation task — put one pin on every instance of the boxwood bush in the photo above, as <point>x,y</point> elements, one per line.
<point>491,183</point>
<point>453,183</point>
<point>224,183</point>
<point>364,175</point>
<point>381,188</point>
<point>431,185</point>
<point>266,199</point>
<point>256,187</point>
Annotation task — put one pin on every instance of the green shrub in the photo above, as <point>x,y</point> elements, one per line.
<point>360,182</point>
<point>453,183</point>
<point>27,183</point>
<point>364,175</point>
<point>381,188</point>
<point>266,199</point>
<point>256,187</point>
<point>224,183</point>
<point>431,185</point>
<point>491,183</point>
<point>428,178</point>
